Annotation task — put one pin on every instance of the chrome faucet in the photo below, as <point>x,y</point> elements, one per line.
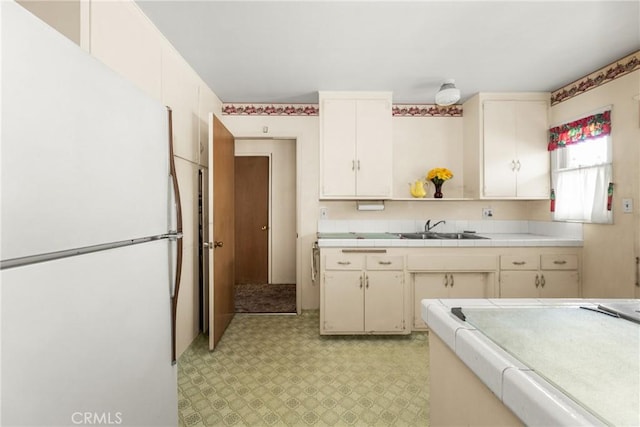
<point>428,227</point>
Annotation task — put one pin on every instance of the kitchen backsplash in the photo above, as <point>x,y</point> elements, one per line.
<point>544,228</point>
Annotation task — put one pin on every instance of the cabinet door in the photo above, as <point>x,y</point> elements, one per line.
<point>519,284</point>
<point>384,301</point>
<point>427,286</point>
<point>373,148</point>
<point>467,285</point>
<point>560,284</point>
<point>533,160</point>
<point>343,301</point>
<point>499,149</point>
<point>338,147</point>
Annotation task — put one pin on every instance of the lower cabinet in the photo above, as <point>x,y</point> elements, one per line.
<point>363,294</point>
<point>446,285</point>
<point>380,291</point>
<point>539,276</point>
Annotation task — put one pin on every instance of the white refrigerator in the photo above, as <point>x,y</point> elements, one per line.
<point>90,238</point>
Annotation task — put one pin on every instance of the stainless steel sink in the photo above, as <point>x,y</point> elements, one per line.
<point>423,235</point>
<point>442,236</point>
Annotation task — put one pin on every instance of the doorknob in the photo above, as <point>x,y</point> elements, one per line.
<point>218,244</point>
<point>206,245</point>
<point>264,227</point>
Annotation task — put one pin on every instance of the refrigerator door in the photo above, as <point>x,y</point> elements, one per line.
<point>84,152</point>
<point>89,334</point>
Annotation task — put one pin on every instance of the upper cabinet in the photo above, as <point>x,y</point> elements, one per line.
<point>505,146</point>
<point>355,145</point>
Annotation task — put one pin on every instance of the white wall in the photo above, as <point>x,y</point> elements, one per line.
<point>421,144</point>
<point>63,15</point>
<point>610,250</point>
<point>282,200</point>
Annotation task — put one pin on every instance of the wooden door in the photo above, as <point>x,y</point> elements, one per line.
<point>427,286</point>
<point>519,284</point>
<point>499,149</point>
<point>338,147</point>
<point>252,219</point>
<point>343,302</point>
<point>384,301</point>
<point>221,229</point>
<point>468,285</point>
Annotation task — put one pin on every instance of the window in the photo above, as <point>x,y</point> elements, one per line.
<point>581,165</point>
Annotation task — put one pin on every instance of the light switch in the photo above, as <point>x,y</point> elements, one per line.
<point>627,205</point>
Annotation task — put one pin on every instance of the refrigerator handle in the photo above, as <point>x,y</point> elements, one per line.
<point>178,235</point>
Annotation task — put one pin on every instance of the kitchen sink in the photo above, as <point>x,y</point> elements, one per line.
<point>441,236</point>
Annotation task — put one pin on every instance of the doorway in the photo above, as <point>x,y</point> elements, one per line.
<point>265,225</point>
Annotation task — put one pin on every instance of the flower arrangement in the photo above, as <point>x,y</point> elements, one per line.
<point>439,175</point>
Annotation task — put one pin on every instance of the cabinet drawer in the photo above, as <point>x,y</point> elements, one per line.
<point>385,262</point>
<point>344,262</point>
<point>559,262</point>
<point>519,262</point>
<point>451,263</point>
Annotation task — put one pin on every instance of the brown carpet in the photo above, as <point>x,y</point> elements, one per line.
<point>265,298</point>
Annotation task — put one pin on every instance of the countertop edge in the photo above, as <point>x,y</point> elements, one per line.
<point>537,401</point>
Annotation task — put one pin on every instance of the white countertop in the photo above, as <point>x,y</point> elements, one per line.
<point>493,240</point>
<point>547,359</point>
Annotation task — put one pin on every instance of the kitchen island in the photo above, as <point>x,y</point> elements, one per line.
<point>533,361</point>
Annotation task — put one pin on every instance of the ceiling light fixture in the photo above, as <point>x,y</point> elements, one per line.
<point>448,94</point>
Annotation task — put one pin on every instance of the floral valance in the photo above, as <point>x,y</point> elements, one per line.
<point>580,130</point>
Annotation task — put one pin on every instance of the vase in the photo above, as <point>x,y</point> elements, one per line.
<point>438,193</point>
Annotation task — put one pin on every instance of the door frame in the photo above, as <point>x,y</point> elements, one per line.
<point>296,141</point>
<point>269,213</point>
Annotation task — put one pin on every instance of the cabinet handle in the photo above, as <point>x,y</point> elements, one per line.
<point>446,281</point>
<point>542,281</point>
<point>360,282</point>
<point>562,262</point>
<point>358,164</point>
<point>451,277</point>
<point>518,167</point>
<point>537,281</point>
<point>366,280</point>
<point>384,262</point>
<point>344,262</point>
<point>518,262</point>
<point>513,165</point>
<point>353,165</point>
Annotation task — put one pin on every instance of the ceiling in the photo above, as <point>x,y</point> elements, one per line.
<point>286,51</point>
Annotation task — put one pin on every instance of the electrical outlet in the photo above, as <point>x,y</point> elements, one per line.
<point>627,205</point>
<point>324,213</point>
<point>487,213</point>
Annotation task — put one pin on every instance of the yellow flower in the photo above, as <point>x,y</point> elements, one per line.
<point>439,175</point>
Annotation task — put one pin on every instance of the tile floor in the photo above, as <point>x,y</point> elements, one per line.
<point>277,370</point>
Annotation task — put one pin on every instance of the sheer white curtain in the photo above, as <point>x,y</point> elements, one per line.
<point>581,194</point>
